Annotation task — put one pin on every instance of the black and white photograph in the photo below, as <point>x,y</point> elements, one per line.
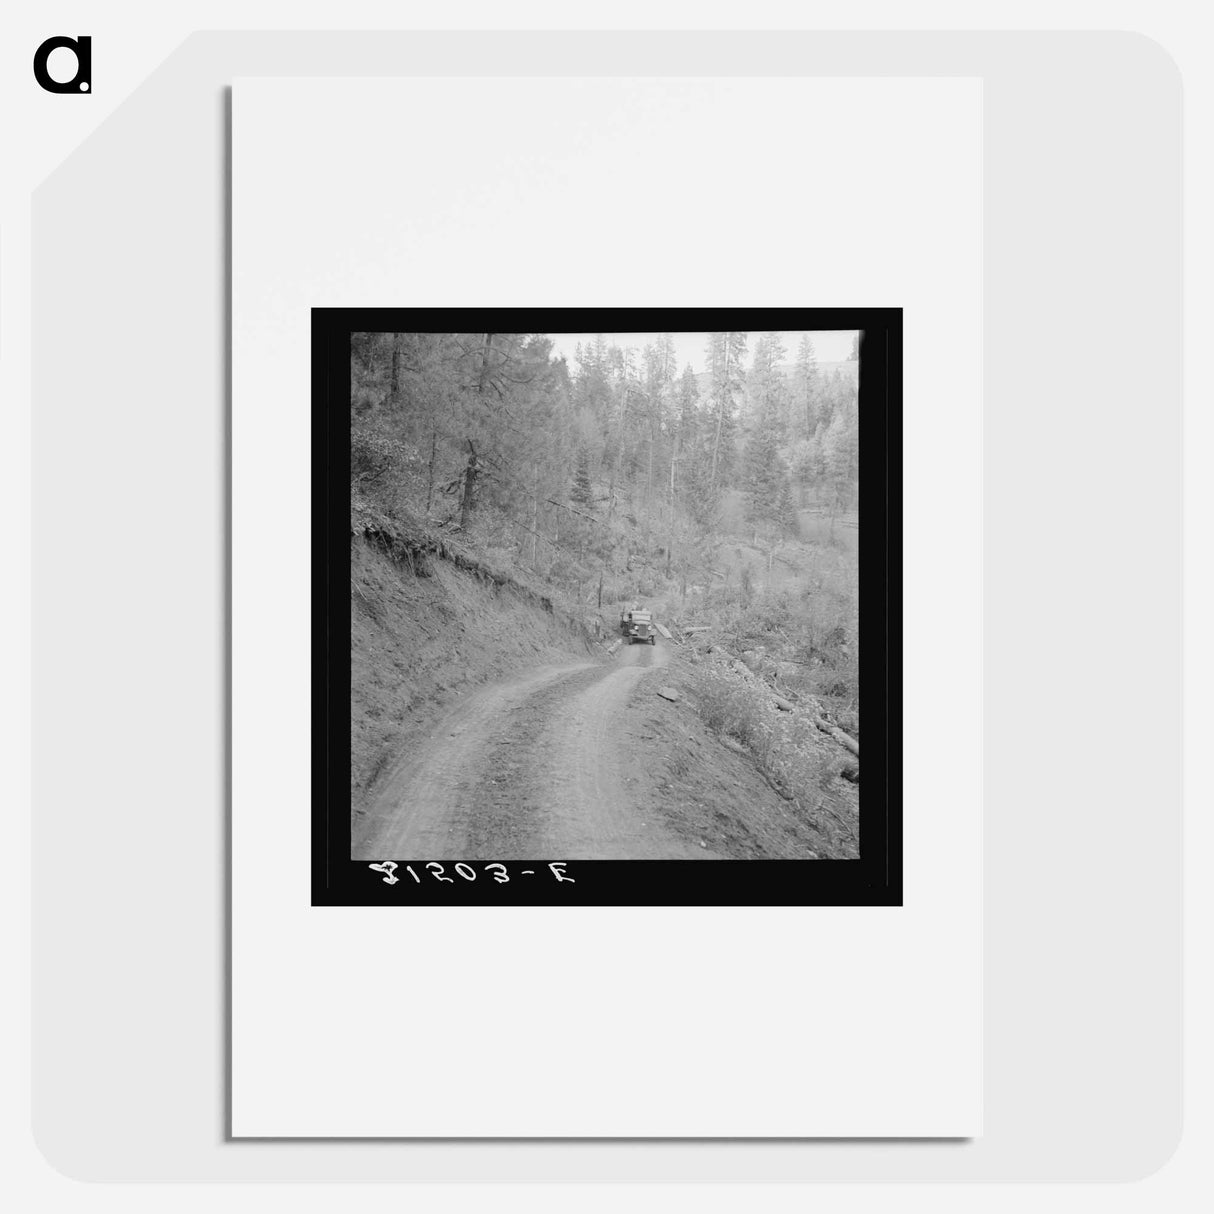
<point>605,599</point>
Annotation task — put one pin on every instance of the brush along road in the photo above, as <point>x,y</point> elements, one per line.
<point>537,767</point>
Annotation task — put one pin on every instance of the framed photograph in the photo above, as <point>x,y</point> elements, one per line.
<point>604,602</point>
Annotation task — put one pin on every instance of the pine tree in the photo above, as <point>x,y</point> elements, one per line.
<point>582,494</point>
<point>764,473</point>
<point>592,389</point>
<point>660,367</point>
<point>698,495</point>
<point>829,396</point>
<point>841,458</point>
<point>803,469</point>
<point>688,396</point>
<point>726,354</point>
<point>786,508</point>
<point>626,393</point>
<point>807,387</point>
<point>682,425</point>
<point>768,389</point>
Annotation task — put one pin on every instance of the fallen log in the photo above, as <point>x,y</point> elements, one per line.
<point>833,731</point>
<point>821,723</point>
<point>662,629</point>
<point>774,784</point>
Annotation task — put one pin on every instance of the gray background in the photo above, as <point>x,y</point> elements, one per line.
<point>1082,616</point>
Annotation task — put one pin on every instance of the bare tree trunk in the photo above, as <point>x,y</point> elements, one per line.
<point>486,350</point>
<point>653,421</point>
<point>396,344</point>
<point>430,481</point>
<point>619,455</point>
<point>674,459</point>
<point>471,475</point>
<point>716,446</point>
<point>535,512</point>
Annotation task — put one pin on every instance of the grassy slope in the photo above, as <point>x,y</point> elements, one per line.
<point>733,785</point>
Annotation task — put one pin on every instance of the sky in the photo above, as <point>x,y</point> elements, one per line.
<point>833,346</point>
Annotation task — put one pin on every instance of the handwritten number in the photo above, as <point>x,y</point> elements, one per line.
<point>500,873</point>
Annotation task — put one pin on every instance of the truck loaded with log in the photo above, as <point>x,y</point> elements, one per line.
<point>636,624</point>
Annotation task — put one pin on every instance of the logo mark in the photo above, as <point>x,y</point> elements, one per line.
<point>82,81</point>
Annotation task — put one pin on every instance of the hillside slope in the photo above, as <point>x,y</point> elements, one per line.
<point>424,630</point>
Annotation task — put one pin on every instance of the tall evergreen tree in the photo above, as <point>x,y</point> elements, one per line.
<point>726,356</point>
<point>806,388</point>
<point>764,476</point>
<point>687,398</point>
<point>626,396</point>
<point>581,493</point>
<point>841,457</point>
<point>768,388</point>
<point>660,368</point>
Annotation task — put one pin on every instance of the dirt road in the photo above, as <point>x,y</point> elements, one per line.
<point>537,767</point>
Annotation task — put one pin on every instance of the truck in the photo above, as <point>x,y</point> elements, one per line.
<point>636,624</point>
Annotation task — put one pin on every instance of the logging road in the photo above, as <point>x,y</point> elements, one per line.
<point>536,767</point>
